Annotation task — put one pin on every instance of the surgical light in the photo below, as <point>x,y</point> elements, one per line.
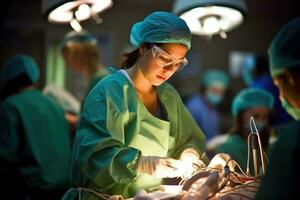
<point>74,11</point>
<point>211,17</point>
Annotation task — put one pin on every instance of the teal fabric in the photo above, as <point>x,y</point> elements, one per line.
<point>282,174</point>
<point>250,98</point>
<point>212,77</point>
<point>116,128</point>
<point>35,138</point>
<point>284,49</point>
<point>17,65</point>
<point>98,76</point>
<point>161,27</point>
<point>236,147</point>
<point>213,98</point>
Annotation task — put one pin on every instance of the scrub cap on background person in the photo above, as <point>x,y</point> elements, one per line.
<point>77,37</point>
<point>17,65</point>
<point>284,51</point>
<point>250,98</point>
<point>161,27</point>
<point>215,77</point>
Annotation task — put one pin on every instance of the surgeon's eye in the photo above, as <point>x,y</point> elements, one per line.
<point>163,60</point>
<point>178,64</point>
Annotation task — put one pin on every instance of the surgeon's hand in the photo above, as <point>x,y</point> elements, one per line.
<point>189,162</point>
<point>221,160</point>
<point>159,167</point>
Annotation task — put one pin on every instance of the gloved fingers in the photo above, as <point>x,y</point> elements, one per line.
<point>199,164</point>
<point>220,160</point>
<point>167,167</point>
<point>190,154</point>
<point>171,163</point>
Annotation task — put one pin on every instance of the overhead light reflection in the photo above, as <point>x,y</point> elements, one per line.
<point>75,25</point>
<point>210,17</point>
<point>83,12</point>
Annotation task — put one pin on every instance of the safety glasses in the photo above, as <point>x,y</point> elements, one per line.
<point>164,59</point>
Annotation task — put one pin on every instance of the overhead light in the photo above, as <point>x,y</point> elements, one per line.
<point>73,12</point>
<point>75,25</point>
<point>211,17</point>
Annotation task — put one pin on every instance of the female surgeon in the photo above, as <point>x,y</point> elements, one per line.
<point>254,102</point>
<point>134,129</point>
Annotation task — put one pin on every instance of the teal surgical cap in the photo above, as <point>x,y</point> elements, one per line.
<point>161,27</point>
<point>284,51</point>
<point>215,77</point>
<point>17,65</point>
<point>251,98</point>
<point>78,37</point>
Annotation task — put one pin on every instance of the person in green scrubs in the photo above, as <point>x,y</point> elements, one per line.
<point>80,53</point>
<point>282,175</point>
<point>134,129</point>
<point>35,143</point>
<point>248,102</point>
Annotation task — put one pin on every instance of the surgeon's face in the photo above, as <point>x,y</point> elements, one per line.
<point>260,115</point>
<point>160,62</point>
<point>288,89</point>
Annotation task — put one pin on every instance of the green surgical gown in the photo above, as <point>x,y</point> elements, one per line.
<point>282,175</point>
<point>236,147</point>
<point>116,128</point>
<point>34,142</point>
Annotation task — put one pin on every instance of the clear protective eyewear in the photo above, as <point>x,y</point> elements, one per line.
<point>164,59</point>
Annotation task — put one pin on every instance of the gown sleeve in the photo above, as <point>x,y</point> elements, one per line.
<point>100,153</point>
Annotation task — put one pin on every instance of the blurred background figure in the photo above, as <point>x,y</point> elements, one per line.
<point>282,175</point>
<point>256,75</point>
<point>81,54</point>
<point>203,105</point>
<point>35,143</point>
<point>248,102</point>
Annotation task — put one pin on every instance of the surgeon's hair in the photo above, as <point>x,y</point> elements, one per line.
<point>85,53</point>
<point>133,56</point>
<point>130,58</point>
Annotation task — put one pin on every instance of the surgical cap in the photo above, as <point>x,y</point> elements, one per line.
<point>161,27</point>
<point>215,77</point>
<point>285,47</point>
<point>78,37</point>
<point>251,98</point>
<point>17,65</point>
